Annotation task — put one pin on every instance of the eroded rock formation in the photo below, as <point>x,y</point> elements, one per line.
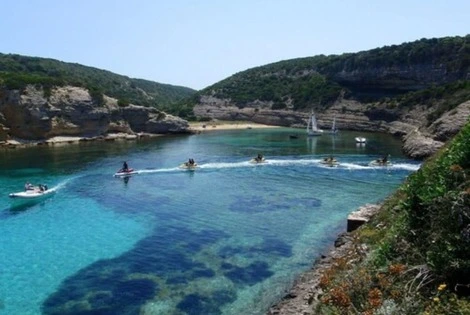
<point>71,111</point>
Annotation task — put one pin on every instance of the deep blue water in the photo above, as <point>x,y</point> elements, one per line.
<point>227,238</point>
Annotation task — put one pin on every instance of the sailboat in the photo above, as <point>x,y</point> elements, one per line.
<point>333,129</point>
<point>312,127</point>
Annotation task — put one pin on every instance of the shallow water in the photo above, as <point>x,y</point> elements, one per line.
<point>227,238</point>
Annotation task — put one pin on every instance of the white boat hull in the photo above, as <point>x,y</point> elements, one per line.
<point>379,163</point>
<point>330,163</point>
<point>315,133</point>
<point>124,174</point>
<point>256,161</point>
<point>186,166</point>
<point>28,194</point>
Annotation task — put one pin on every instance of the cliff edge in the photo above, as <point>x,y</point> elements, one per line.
<point>34,115</point>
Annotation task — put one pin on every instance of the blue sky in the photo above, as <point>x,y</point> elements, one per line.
<point>197,43</point>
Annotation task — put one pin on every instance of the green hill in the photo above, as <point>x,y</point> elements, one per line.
<point>17,71</point>
<point>380,74</point>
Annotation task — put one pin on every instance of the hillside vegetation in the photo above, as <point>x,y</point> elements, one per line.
<point>387,74</point>
<point>419,246</point>
<point>17,71</point>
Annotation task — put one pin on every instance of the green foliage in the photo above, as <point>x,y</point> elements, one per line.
<point>123,102</point>
<point>444,98</point>
<point>304,91</point>
<point>443,301</point>
<point>438,207</point>
<point>180,109</point>
<point>18,81</point>
<point>96,94</point>
<point>17,71</point>
<point>316,82</point>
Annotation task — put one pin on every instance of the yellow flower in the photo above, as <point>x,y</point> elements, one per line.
<point>442,287</point>
<point>436,299</point>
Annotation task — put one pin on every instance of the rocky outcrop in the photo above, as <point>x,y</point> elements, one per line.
<point>419,146</point>
<point>71,111</point>
<point>451,122</point>
<point>361,216</point>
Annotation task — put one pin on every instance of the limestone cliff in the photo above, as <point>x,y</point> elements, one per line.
<point>421,137</point>
<point>71,111</point>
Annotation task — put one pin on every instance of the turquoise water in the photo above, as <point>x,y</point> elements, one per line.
<point>227,238</point>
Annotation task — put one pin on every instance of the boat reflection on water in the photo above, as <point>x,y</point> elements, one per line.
<point>312,144</point>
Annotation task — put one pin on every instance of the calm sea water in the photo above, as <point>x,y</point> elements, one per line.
<point>228,238</point>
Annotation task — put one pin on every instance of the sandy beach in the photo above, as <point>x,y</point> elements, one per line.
<point>226,125</point>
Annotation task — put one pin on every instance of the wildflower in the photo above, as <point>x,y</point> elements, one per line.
<point>436,299</point>
<point>442,287</point>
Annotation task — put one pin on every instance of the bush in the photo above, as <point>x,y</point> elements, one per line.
<point>96,95</point>
<point>123,102</point>
<point>438,208</point>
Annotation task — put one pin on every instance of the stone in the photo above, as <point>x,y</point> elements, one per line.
<point>361,216</point>
<point>419,146</point>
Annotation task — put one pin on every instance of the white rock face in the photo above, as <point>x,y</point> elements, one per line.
<point>71,111</point>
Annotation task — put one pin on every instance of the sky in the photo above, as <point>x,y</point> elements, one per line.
<point>196,43</point>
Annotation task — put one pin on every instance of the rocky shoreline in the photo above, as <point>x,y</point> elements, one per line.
<point>305,291</point>
<point>63,140</point>
<point>194,128</point>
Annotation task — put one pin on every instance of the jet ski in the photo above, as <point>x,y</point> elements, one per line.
<point>380,163</point>
<point>123,173</point>
<point>188,166</point>
<point>385,161</point>
<point>258,160</point>
<point>331,162</point>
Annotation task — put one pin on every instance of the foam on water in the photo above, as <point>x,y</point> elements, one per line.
<point>280,163</point>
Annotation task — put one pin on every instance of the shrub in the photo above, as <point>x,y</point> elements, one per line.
<point>123,102</point>
<point>438,207</point>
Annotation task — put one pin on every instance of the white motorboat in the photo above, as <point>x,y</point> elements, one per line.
<point>361,140</point>
<point>36,192</point>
